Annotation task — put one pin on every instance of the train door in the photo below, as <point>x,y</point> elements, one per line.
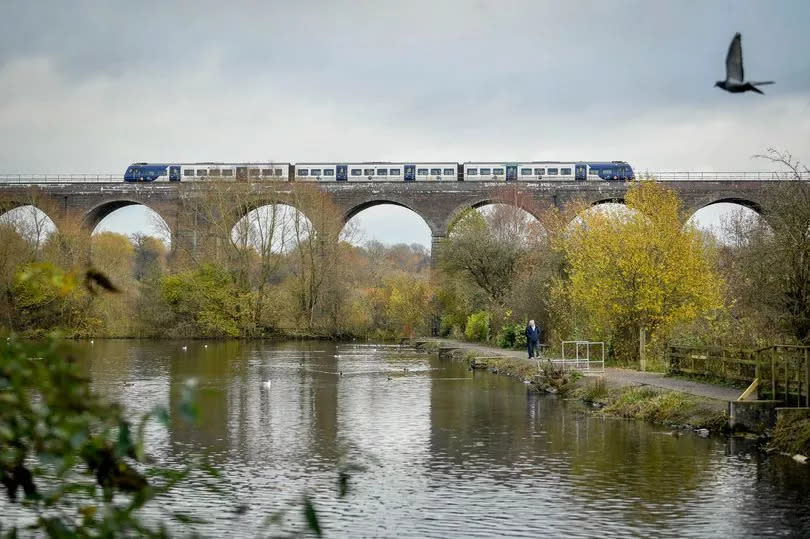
<point>241,174</point>
<point>511,173</point>
<point>410,173</point>
<point>174,173</point>
<point>341,174</point>
<point>580,172</point>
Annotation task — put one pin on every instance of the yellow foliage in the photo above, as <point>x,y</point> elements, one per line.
<point>643,268</point>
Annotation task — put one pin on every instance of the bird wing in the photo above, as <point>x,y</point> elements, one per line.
<point>734,64</point>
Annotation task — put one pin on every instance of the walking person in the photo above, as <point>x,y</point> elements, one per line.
<point>532,339</point>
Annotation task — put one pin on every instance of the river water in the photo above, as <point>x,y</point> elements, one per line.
<point>431,449</point>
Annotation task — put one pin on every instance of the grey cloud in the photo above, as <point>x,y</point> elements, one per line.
<point>97,84</point>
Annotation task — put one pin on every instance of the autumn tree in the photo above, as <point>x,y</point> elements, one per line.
<point>249,236</point>
<point>474,250</point>
<point>14,252</point>
<point>641,269</point>
<point>319,245</point>
<point>769,257</point>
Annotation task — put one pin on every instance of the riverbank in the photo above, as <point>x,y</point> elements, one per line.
<point>673,402</point>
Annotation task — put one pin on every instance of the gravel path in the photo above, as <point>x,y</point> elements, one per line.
<point>624,377</point>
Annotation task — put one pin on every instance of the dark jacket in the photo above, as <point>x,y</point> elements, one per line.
<point>533,335</point>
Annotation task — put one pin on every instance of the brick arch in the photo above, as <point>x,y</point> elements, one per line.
<point>530,207</point>
<point>12,204</point>
<point>40,235</point>
<point>374,201</point>
<point>612,200</point>
<point>92,217</point>
<point>242,210</point>
<point>745,202</point>
<point>239,211</point>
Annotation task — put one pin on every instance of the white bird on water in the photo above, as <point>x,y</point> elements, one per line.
<point>267,383</point>
<point>735,78</point>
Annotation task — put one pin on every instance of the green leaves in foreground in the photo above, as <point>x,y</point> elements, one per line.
<point>312,517</point>
<point>64,451</point>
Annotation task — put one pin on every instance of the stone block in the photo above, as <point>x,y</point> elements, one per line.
<point>753,416</point>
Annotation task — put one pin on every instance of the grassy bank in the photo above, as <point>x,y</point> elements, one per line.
<point>791,435</point>
<point>670,408</point>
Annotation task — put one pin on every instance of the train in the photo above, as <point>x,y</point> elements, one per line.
<point>376,171</point>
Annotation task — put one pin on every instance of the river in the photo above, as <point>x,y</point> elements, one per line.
<point>431,449</point>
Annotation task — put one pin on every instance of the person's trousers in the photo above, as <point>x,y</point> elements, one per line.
<point>532,348</point>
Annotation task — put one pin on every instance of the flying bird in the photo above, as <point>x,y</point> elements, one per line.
<point>735,79</point>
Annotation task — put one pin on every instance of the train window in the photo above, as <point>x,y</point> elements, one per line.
<point>368,172</point>
<point>213,172</point>
<point>279,172</point>
<point>486,171</point>
<point>202,172</point>
<point>394,172</point>
<point>188,172</point>
<point>357,172</point>
<point>497,171</point>
<point>539,171</point>
<point>608,172</point>
<point>422,171</point>
<point>435,172</point>
<point>227,172</point>
<point>565,171</point>
<point>552,172</point>
<point>328,172</point>
<point>593,171</point>
<point>622,171</point>
<point>525,172</point>
<point>472,172</point>
<point>303,172</point>
<point>449,172</point>
<point>255,172</point>
<point>382,172</point>
<point>314,172</point>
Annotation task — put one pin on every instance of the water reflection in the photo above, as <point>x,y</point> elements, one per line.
<point>442,451</point>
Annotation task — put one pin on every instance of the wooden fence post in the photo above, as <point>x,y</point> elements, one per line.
<point>642,345</point>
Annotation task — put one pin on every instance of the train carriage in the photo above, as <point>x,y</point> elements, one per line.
<point>176,172</point>
<point>546,171</point>
<point>519,171</point>
<point>376,171</point>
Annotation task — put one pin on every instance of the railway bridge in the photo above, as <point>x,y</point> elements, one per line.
<point>88,199</point>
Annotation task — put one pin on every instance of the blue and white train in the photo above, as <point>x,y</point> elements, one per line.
<point>371,171</point>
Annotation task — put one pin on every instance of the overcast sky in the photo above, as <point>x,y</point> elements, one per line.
<point>94,86</point>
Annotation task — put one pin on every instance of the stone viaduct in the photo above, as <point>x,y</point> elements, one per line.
<point>438,203</point>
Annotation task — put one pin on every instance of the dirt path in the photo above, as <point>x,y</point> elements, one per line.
<point>625,377</point>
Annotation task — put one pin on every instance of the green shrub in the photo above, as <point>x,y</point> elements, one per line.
<point>446,324</point>
<point>512,335</point>
<point>506,337</point>
<point>477,328</point>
